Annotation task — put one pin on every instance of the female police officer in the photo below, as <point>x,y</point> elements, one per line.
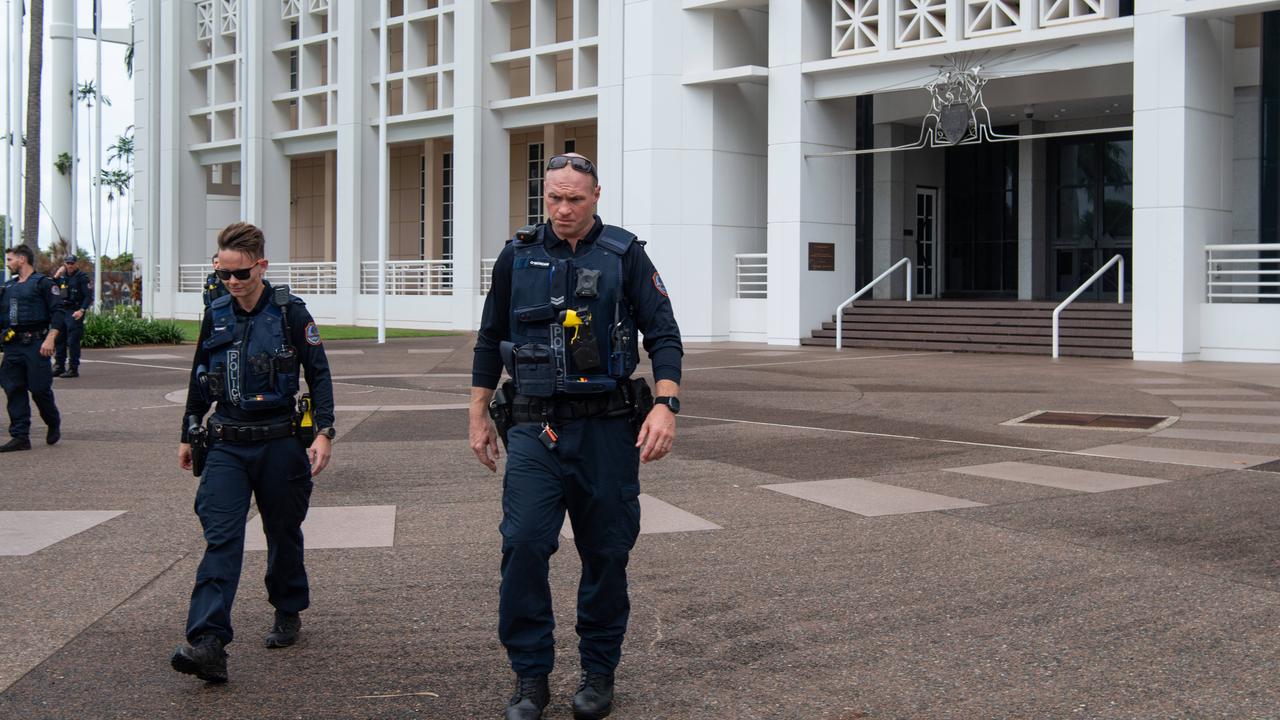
<point>566,302</point>
<point>252,344</point>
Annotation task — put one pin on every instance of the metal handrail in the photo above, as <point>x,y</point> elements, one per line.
<point>751,275</point>
<point>840,308</point>
<point>1256,273</point>
<point>1085,286</point>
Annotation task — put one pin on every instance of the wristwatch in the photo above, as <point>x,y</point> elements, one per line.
<point>328,432</point>
<point>672,402</point>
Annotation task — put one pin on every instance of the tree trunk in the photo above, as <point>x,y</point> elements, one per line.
<point>35,65</point>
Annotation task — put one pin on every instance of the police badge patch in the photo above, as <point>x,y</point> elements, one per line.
<point>657,283</point>
<point>312,333</point>
<point>54,289</point>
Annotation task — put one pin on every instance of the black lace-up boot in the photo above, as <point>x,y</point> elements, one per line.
<point>594,698</point>
<point>205,659</point>
<point>531,696</point>
<point>285,631</point>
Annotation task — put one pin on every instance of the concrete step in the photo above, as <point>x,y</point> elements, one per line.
<point>1039,341</point>
<point>971,347</point>
<point>1043,330</point>
<point>1029,313</point>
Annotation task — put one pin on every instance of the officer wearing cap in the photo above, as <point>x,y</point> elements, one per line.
<point>254,344</point>
<point>566,302</point>
<point>213,287</point>
<point>77,297</point>
<point>31,313</point>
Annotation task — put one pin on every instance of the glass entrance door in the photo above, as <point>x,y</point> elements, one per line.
<point>1090,212</point>
<point>926,241</point>
<point>981,238</point>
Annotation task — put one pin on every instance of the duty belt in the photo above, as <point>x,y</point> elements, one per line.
<point>249,433</point>
<point>526,409</point>
<point>25,337</point>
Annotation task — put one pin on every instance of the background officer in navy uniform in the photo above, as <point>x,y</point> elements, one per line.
<point>77,297</point>
<point>579,455</point>
<point>31,313</point>
<point>247,367</point>
<point>213,287</point>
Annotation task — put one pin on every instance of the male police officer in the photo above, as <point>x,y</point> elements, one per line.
<point>566,302</point>
<point>253,342</point>
<point>77,296</point>
<point>213,287</point>
<point>31,313</point>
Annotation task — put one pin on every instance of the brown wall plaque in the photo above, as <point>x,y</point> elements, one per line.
<point>822,256</point>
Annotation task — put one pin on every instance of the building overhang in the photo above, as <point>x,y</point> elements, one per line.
<point>1225,8</point>
<point>1094,44</point>
<point>568,106</point>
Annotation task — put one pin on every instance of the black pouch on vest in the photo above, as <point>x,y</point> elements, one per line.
<point>584,351</point>
<point>535,370</point>
<point>588,280</point>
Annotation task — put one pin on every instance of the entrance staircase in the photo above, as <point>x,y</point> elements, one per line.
<point>1087,329</point>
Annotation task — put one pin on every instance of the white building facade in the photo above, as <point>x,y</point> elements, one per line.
<point>725,134</point>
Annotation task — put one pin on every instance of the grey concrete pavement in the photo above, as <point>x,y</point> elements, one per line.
<point>789,567</point>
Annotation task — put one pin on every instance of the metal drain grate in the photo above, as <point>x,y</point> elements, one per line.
<point>1093,421</point>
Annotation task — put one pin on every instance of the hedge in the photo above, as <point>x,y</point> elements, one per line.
<point>123,326</point>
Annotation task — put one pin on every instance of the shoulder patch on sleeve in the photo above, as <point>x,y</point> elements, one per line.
<point>312,334</point>
<point>657,283</point>
<point>55,290</point>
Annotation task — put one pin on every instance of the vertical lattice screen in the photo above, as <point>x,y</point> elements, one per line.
<point>985,17</point>
<point>921,21</point>
<point>855,26</point>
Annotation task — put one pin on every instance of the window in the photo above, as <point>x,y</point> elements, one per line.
<point>571,145</point>
<point>446,206</point>
<point>533,210</point>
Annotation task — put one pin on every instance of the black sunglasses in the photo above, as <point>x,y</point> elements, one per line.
<point>241,274</point>
<point>582,165</point>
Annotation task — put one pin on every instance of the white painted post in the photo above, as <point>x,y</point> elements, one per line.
<point>383,189</point>
<point>99,245</point>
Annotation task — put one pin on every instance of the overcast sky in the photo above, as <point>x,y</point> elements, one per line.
<point>116,85</point>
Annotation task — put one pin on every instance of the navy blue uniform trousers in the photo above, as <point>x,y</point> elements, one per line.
<point>25,370</point>
<point>72,332</point>
<point>278,475</point>
<point>594,474</point>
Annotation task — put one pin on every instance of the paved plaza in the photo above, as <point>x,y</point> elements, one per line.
<point>848,535</point>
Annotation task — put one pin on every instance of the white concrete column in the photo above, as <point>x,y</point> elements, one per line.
<point>888,233</point>
<point>356,214</point>
<point>1032,243</point>
<point>481,155</point>
<point>611,113</point>
<point>810,200</point>
<point>265,171</point>
<point>183,183</point>
<point>61,79</point>
<point>1183,70</point>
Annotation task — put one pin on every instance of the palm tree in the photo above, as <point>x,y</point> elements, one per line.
<point>86,92</point>
<point>122,149</point>
<point>35,63</point>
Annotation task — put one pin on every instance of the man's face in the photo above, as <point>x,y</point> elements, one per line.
<point>14,262</point>
<point>72,268</point>
<point>232,260</point>
<point>571,202</point>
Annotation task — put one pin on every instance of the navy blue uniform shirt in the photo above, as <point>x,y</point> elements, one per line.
<point>650,307</point>
<point>312,359</point>
<point>77,283</point>
<point>47,288</point>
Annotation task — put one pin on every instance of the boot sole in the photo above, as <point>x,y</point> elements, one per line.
<point>276,644</point>
<point>583,715</point>
<point>187,666</point>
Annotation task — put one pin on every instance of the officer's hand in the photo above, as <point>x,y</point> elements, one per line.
<point>47,347</point>
<point>319,453</point>
<point>484,440</point>
<point>184,456</point>
<point>77,314</point>
<point>657,434</point>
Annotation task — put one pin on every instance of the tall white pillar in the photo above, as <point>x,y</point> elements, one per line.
<point>355,216</point>
<point>888,234</point>
<point>1182,197</point>
<point>1032,243</point>
<point>62,33</point>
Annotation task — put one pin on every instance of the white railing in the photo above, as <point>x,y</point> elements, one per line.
<point>409,277</point>
<point>752,270</point>
<point>191,277</point>
<point>305,278</point>
<point>1240,272</point>
<point>486,274</point>
<point>1115,259</point>
<point>840,308</point>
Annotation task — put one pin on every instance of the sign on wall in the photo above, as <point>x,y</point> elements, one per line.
<point>822,257</point>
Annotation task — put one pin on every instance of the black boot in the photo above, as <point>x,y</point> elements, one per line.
<point>54,435</point>
<point>285,632</point>
<point>15,444</point>
<point>594,698</point>
<point>74,372</point>
<point>59,370</point>
<point>205,659</point>
<point>532,695</point>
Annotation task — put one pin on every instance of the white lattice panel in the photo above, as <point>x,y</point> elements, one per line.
<point>290,9</point>
<point>204,20</point>
<point>1057,12</point>
<point>921,21</point>
<point>855,26</point>
<point>986,17</point>
<point>320,7</point>
<point>230,17</point>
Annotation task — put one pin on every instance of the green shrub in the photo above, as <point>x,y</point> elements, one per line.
<point>123,326</point>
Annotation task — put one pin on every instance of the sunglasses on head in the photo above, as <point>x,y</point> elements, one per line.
<point>241,274</point>
<point>582,165</point>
